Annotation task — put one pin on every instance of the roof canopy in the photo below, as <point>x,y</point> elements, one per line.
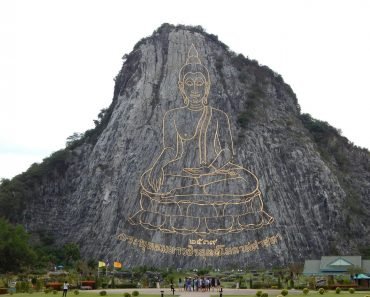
<point>336,265</point>
<point>341,262</point>
<point>362,276</point>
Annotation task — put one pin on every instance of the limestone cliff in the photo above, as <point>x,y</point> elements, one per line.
<point>313,182</point>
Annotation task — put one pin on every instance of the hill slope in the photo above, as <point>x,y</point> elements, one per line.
<point>314,183</point>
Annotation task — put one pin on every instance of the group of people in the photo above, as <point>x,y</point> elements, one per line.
<point>201,284</point>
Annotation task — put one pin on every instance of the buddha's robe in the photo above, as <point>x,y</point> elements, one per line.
<point>225,199</point>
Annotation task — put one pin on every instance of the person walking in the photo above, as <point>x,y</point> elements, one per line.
<point>172,289</point>
<point>65,289</point>
<point>180,284</point>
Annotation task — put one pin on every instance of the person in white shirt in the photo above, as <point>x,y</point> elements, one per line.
<point>65,289</point>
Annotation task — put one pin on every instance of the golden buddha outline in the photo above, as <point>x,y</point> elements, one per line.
<point>195,174</point>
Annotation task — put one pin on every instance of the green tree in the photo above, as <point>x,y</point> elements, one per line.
<point>11,197</point>
<point>71,253</point>
<point>74,139</point>
<point>355,270</point>
<point>15,251</point>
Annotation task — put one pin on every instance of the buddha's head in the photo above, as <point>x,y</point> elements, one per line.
<point>194,82</point>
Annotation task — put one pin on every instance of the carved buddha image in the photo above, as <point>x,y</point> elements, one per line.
<point>194,186</point>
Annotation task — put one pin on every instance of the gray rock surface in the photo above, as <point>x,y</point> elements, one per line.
<point>309,196</point>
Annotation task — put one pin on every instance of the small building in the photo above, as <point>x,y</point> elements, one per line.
<point>340,266</point>
<point>362,280</point>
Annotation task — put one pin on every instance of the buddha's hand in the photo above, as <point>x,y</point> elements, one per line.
<point>199,170</point>
<point>156,177</point>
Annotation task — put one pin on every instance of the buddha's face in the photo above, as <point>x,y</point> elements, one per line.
<point>194,88</point>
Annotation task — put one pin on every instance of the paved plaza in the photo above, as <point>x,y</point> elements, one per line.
<point>182,293</point>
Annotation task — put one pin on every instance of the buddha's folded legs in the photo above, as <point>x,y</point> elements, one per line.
<point>171,183</point>
<point>233,181</point>
<point>181,184</point>
<point>236,182</point>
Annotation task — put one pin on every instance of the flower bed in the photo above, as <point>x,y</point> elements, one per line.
<point>88,283</point>
<point>3,291</point>
<point>54,285</point>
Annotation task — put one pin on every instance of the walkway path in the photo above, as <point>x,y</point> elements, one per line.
<point>167,291</point>
<point>252,292</point>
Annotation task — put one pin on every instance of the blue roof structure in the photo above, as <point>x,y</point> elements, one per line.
<point>335,265</point>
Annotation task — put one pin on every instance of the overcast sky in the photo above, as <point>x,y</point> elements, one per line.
<point>58,60</point>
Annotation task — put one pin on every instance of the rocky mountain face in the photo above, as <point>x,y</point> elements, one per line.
<point>314,184</point>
